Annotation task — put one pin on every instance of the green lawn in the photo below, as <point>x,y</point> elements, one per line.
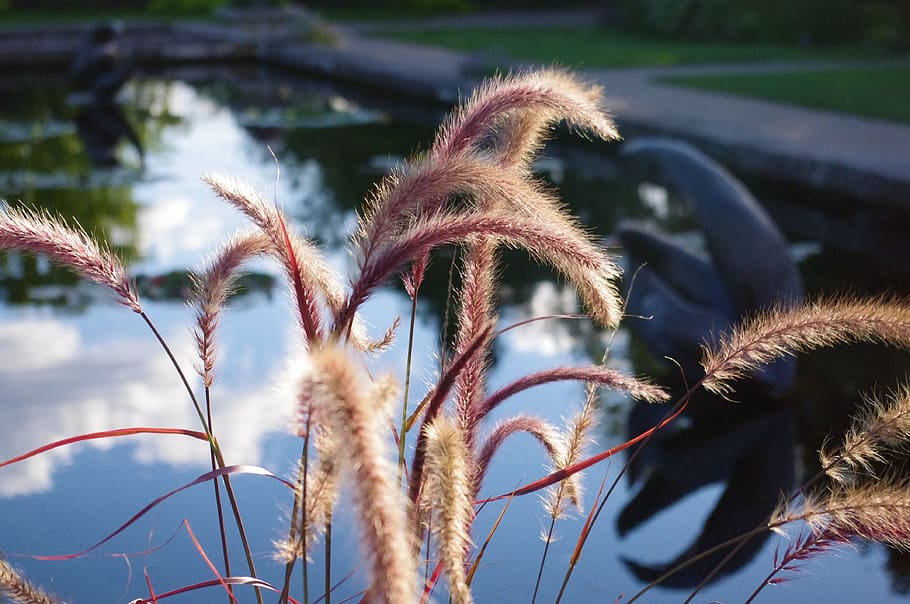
<point>881,92</point>
<point>588,48</point>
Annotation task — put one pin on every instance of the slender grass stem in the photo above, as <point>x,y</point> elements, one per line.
<point>215,449</point>
<point>446,314</point>
<point>328,558</point>
<point>483,548</point>
<point>402,435</point>
<point>736,542</point>
<point>543,558</point>
<point>764,582</point>
<point>586,531</point>
<point>299,508</point>
<point>305,581</point>
<point>712,550</point>
<point>176,365</point>
<point>726,559</point>
<point>426,567</point>
<point>221,530</point>
<point>235,508</point>
<point>720,565</point>
<point>802,489</point>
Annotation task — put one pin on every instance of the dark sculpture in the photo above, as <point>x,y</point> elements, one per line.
<point>99,70</point>
<point>690,297</point>
<point>100,66</point>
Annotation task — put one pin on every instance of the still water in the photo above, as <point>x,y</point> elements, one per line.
<point>73,362</point>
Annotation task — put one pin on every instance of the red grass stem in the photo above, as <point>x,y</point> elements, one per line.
<point>104,434</point>
<point>568,471</point>
<point>435,404</point>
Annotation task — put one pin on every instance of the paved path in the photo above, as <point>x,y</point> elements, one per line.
<point>866,158</point>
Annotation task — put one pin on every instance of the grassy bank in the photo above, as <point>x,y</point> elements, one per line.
<point>876,93</point>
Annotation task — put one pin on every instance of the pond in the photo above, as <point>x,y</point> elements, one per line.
<point>74,362</point>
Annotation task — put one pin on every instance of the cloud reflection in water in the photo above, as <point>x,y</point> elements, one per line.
<point>60,381</point>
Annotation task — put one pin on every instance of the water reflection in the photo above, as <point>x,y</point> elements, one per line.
<point>99,369</point>
<point>685,295</point>
<point>63,378</point>
<point>749,448</point>
<point>102,126</point>
<point>99,70</point>
<point>686,291</point>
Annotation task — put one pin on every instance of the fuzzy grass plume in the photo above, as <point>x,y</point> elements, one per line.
<point>212,288</point>
<point>478,165</point>
<point>19,590</point>
<point>449,496</point>
<point>357,410</point>
<point>578,437</point>
<point>787,331</point>
<point>508,115</point>
<point>544,432</point>
<point>68,245</point>
<point>313,281</point>
<point>882,427</point>
<point>316,495</point>
<point>876,511</point>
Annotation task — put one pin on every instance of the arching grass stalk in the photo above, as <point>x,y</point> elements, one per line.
<point>736,543</point>
<point>782,331</point>
<point>720,565</point>
<point>879,427</point>
<point>701,555</point>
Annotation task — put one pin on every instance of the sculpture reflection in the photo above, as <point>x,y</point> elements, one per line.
<point>101,127</point>
<point>750,447</point>
<point>689,297</point>
<point>98,72</point>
